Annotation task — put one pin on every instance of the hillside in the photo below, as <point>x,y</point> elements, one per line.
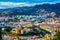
<point>32,10</point>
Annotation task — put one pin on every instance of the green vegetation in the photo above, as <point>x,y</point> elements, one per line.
<point>36,31</point>
<point>41,31</point>
<point>0,34</point>
<point>57,36</point>
<point>6,30</point>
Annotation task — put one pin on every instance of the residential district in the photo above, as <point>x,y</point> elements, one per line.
<point>23,27</point>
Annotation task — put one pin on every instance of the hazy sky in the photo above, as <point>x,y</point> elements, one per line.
<point>21,3</point>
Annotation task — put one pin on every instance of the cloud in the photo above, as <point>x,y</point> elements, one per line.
<point>20,4</point>
<point>4,5</point>
<point>14,4</point>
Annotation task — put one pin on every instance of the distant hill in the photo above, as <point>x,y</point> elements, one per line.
<point>32,10</point>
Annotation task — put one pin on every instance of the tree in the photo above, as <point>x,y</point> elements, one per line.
<point>1,34</point>
<point>7,30</point>
<point>57,37</point>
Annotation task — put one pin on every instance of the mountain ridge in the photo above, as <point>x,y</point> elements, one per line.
<point>32,10</point>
